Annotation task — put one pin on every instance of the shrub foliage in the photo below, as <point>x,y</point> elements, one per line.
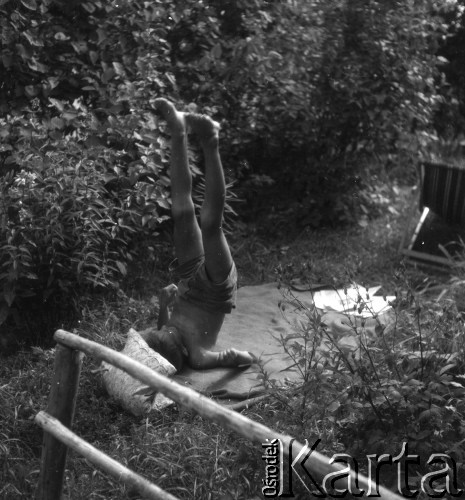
<point>83,173</point>
<point>404,384</point>
<point>313,94</point>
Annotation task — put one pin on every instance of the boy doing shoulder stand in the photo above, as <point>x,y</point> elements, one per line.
<point>207,275</point>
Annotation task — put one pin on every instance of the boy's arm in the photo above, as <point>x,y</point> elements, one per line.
<point>202,359</point>
<point>167,296</point>
<point>163,316</point>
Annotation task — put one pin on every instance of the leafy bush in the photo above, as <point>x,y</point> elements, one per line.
<point>404,384</point>
<point>314,93</point>
<point>83,165</point>
<point>450,116</point>
<point>69,215</point>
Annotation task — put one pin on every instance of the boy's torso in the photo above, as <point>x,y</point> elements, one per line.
<point>198,327</point>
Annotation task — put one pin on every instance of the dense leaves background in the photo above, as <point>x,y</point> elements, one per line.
<point>318,101</point>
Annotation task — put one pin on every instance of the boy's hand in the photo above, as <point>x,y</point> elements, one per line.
<point>167,295</point>
<point>166,342</point>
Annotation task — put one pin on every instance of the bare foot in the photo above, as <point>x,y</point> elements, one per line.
<point>206,129</point>
<point>176,119</point>
<point>234,358</point>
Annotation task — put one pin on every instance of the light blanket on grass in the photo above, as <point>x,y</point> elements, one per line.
<point>264,314</point>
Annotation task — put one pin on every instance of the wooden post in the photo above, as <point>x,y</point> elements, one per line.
<point>61,405</point>
<point>148,490</point>
<point>407,233</point>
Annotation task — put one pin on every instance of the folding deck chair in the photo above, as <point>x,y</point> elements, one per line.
<point>442,192</point>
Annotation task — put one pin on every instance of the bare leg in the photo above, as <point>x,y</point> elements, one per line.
<point>187,235</point>
<point>218,260</point>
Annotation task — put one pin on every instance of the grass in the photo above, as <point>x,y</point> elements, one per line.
<point>188,456</point>
<point>366,252</point>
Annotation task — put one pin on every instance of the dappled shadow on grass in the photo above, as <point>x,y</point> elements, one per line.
<point>181,452</point>
<point>367,253</point>
<point>24,386</point>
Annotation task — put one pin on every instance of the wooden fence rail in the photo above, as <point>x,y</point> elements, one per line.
<point>56,429</point>
<point>57,437</point>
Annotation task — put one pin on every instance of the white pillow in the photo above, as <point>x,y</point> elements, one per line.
<point>133,395</point>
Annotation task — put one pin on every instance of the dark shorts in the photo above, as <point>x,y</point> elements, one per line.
<point>195,286</point>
